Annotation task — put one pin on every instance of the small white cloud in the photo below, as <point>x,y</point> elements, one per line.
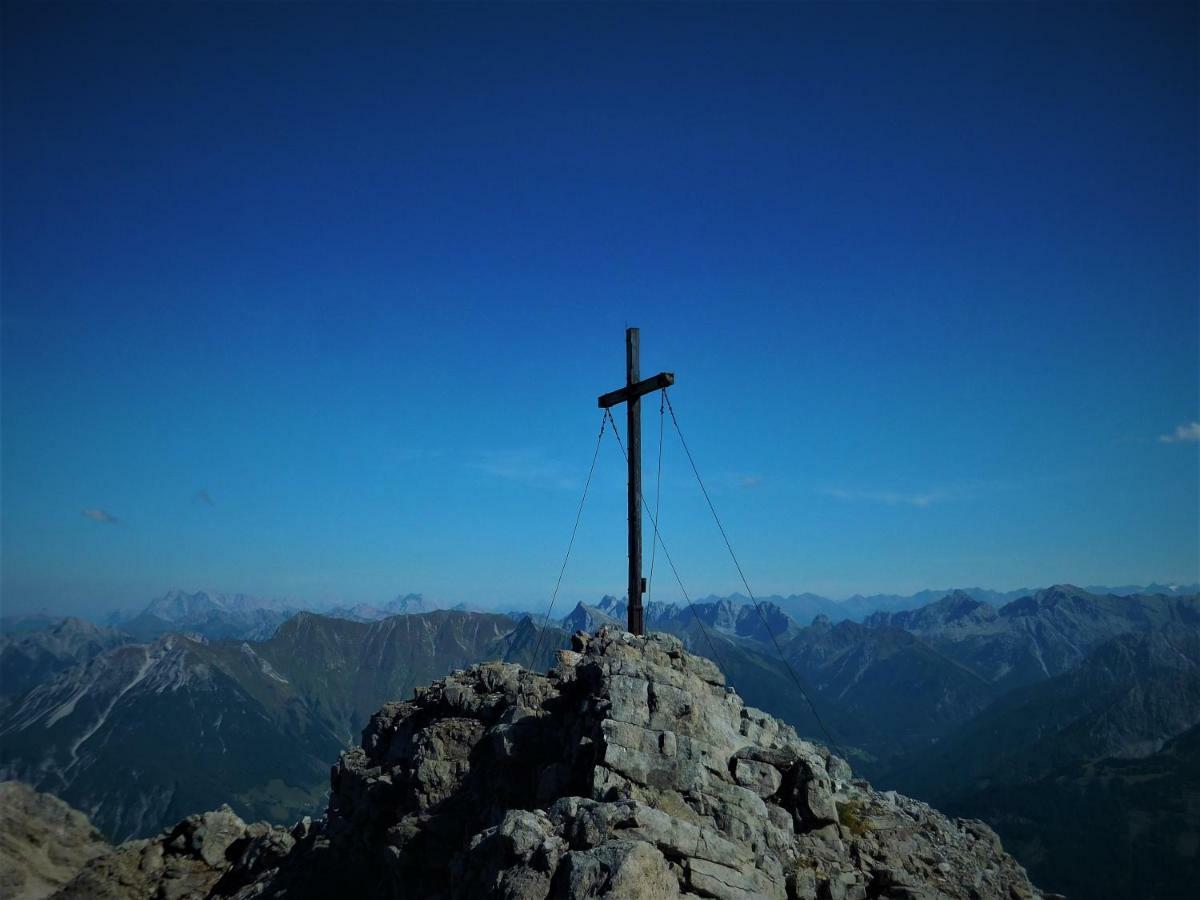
<point>749,481</point>
<point>527,467</point>
<point>903,498</point>
<point>101,515</point>
<point>1189,432</point>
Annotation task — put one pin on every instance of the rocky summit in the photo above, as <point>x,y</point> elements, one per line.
<point>630,770</point>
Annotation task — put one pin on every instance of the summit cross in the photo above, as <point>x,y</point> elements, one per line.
<point>631,396</point>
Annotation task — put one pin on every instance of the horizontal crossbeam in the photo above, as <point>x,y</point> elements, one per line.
<point>649,385</point>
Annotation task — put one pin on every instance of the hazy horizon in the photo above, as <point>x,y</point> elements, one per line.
<point>561,606</point>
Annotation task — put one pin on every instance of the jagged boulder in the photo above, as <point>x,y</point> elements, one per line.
<point>630,770</point>
<point>209,854</point>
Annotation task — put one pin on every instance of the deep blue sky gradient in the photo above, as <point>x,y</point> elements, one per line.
<point>927,276</point>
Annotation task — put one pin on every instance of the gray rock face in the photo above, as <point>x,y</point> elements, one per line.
<point>43,842</point>
<point>204,855</point>
<point>628,771</point>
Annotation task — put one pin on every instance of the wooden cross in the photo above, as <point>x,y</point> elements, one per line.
<point>631,396</point>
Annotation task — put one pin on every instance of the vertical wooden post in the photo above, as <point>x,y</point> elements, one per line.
<point>631,396</point>
<point>634,430</point>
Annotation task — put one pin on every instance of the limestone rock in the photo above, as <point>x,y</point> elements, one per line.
<point>43,842</point>
<point>628,771</point>
<point>628,869</point>
<point>202,856</point>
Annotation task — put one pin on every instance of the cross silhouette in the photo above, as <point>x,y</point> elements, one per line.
<point>631,396</point>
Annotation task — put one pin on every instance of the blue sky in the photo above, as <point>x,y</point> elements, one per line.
<point>927,276</point>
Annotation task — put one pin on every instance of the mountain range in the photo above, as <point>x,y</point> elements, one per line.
<point>252,723</point>
<point>216,614</point>
<point>803,608</point>
<point>1037,636</point>
<point>29,656</point>
<point>213,615</point>
<point>964,700</point>
<point>1126,699</point>
<point>630,769</point>
<point>1092,777</point>
<point>403,605</point>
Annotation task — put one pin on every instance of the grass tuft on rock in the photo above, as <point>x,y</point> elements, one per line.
<point>851,818</point>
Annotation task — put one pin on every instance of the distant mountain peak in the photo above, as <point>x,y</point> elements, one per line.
<point>407,604</point>
<point>958,605</point>
<point>612,606</point>
<point>960,596</point>
<point>1064,589</point>
<point>588,618</point>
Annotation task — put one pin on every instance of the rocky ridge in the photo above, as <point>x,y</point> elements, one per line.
<point>629,770</point>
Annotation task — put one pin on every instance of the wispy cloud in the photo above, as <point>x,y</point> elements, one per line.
<point>722,481</point>
<point>1189,432</point>
<point>101,515</point>
<point>527,467</point>
<point>413,454</point>
<point>203,496</point>
<point>904,498</point>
